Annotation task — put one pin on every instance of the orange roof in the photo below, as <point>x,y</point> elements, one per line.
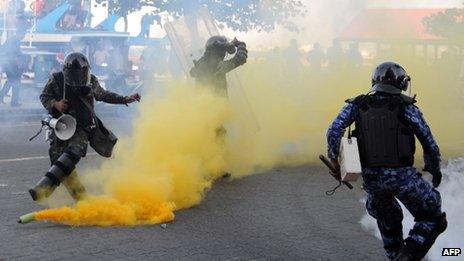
<point>392,24</point>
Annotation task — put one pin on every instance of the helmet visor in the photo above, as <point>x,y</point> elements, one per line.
<point>77,77</point>
<point>408,89</point>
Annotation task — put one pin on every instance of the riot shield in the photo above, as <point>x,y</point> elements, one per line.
<point>188,36</point>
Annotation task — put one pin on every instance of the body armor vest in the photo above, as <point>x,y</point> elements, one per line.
<point>385,138</point>
<point>77,108</point>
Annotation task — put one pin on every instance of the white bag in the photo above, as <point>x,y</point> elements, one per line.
<point>350,163</point>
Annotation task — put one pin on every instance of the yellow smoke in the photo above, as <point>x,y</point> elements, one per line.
<point>173,156</point>
<point>175,153</point>
<point>107,211</point>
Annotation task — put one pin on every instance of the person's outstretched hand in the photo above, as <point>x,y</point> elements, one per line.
<point>133,98</point>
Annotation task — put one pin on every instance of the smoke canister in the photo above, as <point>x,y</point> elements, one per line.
<point>24,219</point>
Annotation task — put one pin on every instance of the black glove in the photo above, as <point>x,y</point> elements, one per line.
<point>436,179</point>
<point>242,54</point>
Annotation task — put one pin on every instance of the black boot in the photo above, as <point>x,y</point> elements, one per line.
<point>414,251</point>
<point>405,255</point>
<point>43,189</point>
<point>59,171</point>
<point>74,187</point>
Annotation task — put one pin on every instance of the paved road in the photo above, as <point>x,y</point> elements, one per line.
<point>279,215</point>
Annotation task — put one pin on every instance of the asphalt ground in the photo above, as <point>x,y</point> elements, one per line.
<point>282,214</point>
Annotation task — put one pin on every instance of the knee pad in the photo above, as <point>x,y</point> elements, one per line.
<point>74,186</point>
<point>441,223</point>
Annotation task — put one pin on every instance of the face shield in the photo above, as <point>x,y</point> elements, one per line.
<point>77,76</point>
<point>76,70</point>
<point>408,86</point>
<point>390,77</point>
<point>219,46</point>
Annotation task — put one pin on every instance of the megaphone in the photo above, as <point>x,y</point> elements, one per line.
<point>64,126</point>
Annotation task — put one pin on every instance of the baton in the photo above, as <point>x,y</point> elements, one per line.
<point>333,171</point>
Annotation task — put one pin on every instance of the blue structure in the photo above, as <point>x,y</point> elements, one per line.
<point>48,23</point>
<point>109,23</point>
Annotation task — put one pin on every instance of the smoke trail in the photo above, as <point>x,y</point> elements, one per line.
<point>106,211</point>
<point>452,194</point>
<point>173,156</point>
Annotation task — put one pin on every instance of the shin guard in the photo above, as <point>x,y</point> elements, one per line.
<point>74,186</point>
<point>60,170</point>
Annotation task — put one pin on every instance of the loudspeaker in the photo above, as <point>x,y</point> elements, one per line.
<point>64,126</point>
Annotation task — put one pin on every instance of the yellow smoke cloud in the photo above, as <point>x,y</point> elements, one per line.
<point>172,157</point>
<point>174,154</point>
<point>107,211</point>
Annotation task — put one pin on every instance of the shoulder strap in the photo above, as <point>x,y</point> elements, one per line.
<point>407,99</point>
<point>58,77</point>
<point>87,104</point>
<point>355,99</point>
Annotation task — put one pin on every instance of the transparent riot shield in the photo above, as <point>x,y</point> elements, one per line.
<point>188,36</point>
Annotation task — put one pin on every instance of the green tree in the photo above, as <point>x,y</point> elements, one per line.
<point>448,24</point>
<point>241,15</point>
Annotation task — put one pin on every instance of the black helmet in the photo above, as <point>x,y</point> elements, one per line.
<point>76,70</point>
<point>219,44</point>
<point>390,77</point>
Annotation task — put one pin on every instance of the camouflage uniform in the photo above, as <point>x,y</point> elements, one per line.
<point>385,185</point>
<point>77,144</point>
<point>53,91</point>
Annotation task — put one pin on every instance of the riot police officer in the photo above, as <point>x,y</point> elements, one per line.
<point>72,91</point>
<point>211,69</point>
<point>387,123</point>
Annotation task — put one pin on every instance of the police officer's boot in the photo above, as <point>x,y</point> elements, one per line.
<point>43,189</point>
<point>60,170</point>
<point>405,255</point>
<point>413,251</point>
<point>74,186</point>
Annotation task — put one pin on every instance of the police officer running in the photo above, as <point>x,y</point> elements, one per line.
<point>387,123</point>
<point>72,91</point>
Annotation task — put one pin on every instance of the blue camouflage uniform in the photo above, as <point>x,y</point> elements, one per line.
<point>385,185</point>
